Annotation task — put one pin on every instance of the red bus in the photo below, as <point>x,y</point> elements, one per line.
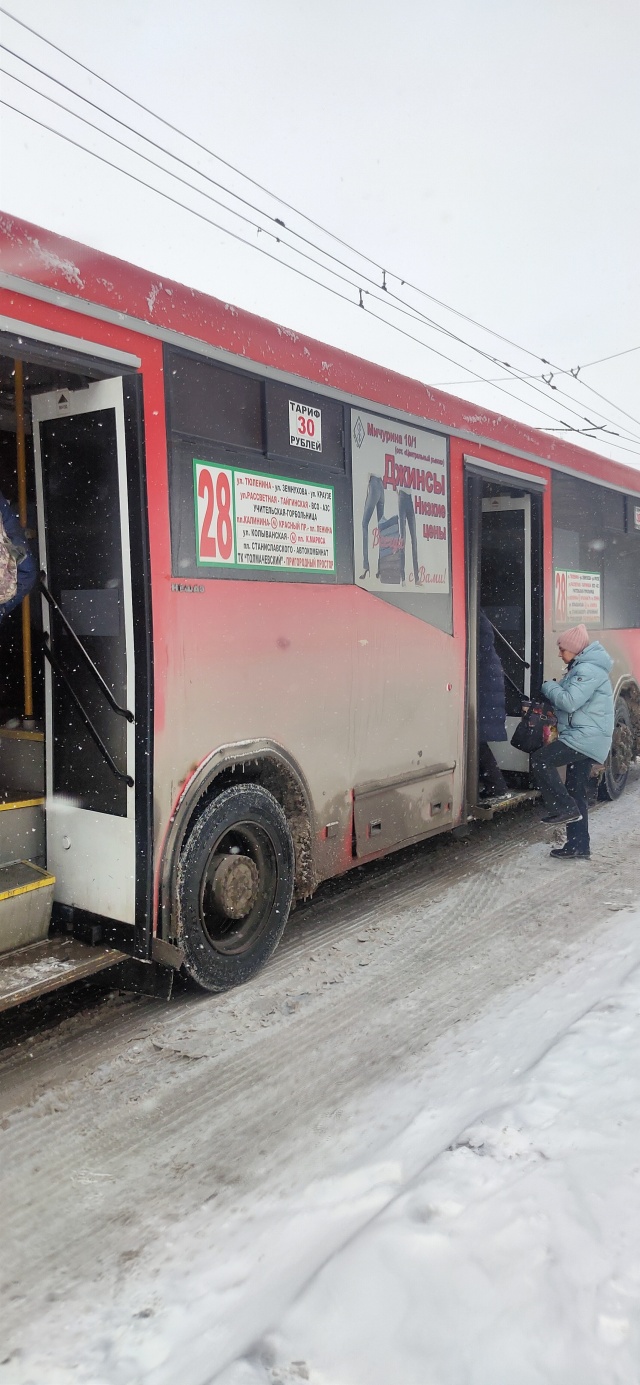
<point>252,661</point>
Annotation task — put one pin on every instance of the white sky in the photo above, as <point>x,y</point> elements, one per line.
<point>485,150</point>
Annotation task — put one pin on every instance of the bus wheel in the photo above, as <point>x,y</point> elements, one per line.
<point>235,883</point>
<point>617,764</point>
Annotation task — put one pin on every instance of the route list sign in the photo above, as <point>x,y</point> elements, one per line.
<point>400,506</point>
<point>245,519</point>
<point>578,597</point>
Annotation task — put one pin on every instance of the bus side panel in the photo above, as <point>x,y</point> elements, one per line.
<point>356,691</point>
<point>352,689</point>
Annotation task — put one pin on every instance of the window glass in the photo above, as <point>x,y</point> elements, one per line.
<point>596,555</point>
<point>304,427</point>
<point>207,400</point>
<point>622,582</point>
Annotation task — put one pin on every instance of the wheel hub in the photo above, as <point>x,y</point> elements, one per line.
<point>235,885</point>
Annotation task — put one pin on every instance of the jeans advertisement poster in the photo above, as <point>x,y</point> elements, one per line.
<point>400,506</point>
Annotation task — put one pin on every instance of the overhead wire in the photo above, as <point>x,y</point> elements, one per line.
<point>398,306</point>
<point>406,308</point>
<point>283,264</point>
<point>235,236</point>
<point>394,301</point>
<point>627,352</point>
<point>592,427</point>
<point>332,235</point>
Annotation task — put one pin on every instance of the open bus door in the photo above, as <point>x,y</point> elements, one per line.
<point>505,580</point>
<point>505,598</point>
<point>83,525</point>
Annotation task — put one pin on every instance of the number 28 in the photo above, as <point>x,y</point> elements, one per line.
<point>216,529</point>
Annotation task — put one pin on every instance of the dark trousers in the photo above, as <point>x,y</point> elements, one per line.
<point>557,797</point>
<point>489,772</point>
<point>374,500</point>
<point>407,516</point>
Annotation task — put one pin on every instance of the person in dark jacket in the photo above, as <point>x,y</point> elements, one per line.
<point>27,570</point>
<point>492,710</point>
<point>583,702</point>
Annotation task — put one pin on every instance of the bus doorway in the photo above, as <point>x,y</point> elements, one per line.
<point>504,546</point>
<point>75,671</point>
<point>83,526</point>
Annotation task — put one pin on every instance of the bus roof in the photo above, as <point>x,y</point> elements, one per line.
<point>64,270</point>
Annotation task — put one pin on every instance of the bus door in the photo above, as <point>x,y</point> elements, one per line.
<point>83,524</point>
<point>504,570</point>
<point>505,598</point>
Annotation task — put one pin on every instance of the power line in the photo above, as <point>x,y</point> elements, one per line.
<point>397,306</point>
<point>615,357</point>
<point>396,303</point>
<point>283,264</point>
<point>361,255</point>
<point>446,384</point>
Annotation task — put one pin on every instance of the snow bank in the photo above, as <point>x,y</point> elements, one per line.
<point>514,1258</point>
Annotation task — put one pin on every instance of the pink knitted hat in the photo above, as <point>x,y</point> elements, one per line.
<point>574,640</point>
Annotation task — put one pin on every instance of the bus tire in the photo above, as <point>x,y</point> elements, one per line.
<point>616,769</point>
<point>235,882</point>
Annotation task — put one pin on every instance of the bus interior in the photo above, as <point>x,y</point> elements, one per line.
<point>66,666</point>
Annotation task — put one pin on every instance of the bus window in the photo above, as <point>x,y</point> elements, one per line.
<point>207,400</point>
<point>596,555</point>
<point>303,427</point>
<point>256,493</point>
<point>401,516</point>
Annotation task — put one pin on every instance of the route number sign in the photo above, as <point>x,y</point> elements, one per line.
<point>214,501</point>
<point>578,597</point>
<point>561,598</point>
<point>246,519</point>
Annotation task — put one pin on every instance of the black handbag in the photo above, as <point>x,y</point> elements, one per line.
<point>534,726</point>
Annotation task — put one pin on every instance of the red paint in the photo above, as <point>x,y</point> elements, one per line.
<point>45,258</point>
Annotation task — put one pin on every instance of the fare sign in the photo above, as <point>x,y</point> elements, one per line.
<point>305,426</point>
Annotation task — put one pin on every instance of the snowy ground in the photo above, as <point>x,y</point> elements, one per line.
<point>513,1257</point>
<point>407,1152</point>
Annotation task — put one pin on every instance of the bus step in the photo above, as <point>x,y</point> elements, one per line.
<point>26,897</point>
<point>22,831</point>
<point>46,966</point>
<point>484,812</point>
<point>22,755</point>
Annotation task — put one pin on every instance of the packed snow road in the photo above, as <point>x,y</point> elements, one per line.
<point>173,1175</point>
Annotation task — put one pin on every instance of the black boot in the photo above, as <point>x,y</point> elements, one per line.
<point>562,815</point>
<point>568,852</point>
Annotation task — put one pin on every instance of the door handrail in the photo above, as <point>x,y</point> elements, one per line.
<point>95,672</point>
<point>509,646</point>
<point>95,735</point>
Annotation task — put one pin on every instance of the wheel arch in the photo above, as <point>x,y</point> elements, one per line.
<point>256,761</point>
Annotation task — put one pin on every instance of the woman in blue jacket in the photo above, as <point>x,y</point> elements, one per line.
<point>583,703</point>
